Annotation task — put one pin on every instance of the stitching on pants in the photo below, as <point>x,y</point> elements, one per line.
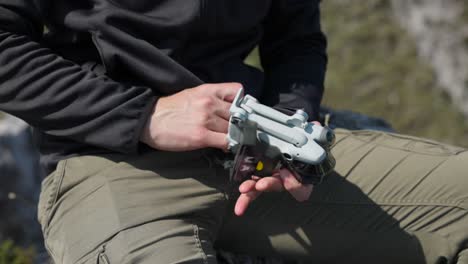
<point>55,189</point>
<point>60,181</point>
<point>380,136</point>
<point>44,199</point>
<point>56,186</point>
<point>198,243</point>
<point>401,203</point>
<point>368,152</point>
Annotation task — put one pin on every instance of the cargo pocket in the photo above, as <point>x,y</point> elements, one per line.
<point>50,189</point>
<point>98,256</point>
<point>102,257</point>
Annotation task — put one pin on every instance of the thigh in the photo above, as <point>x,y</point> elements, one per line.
<point>391,199</point>
<point>153,208</point>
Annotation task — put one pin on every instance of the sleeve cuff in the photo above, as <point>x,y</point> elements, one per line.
<point>145,114</point>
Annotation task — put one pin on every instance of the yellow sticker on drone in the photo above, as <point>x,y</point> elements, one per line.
<point>259,166</point>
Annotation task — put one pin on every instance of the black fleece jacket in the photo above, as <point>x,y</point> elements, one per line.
<point>85,74</point>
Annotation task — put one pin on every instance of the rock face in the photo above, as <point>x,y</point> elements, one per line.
<point>376,66</point>
<point>352,120</point>
<point>20,178</point>
<point>440,31</point>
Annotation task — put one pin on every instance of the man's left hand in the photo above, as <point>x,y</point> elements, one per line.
<point>280,181</point>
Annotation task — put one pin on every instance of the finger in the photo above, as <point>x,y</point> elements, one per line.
<point>299,191</point>
<point>276,174</point>
<point>255,178</point>
<point>227,91</point>
<point>247,186</point>
<point>243,202</point>
<point>215,140</point>
<point>222,109</point>
<point>269,184</point>
<point>304,193</point>
<point>218,124</point>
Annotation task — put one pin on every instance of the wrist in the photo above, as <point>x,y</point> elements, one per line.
<point>146,131</point>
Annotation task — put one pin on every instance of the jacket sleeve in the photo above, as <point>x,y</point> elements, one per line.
<point>293,55</point>
<point>59,97</point>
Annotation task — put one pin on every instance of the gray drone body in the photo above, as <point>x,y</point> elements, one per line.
<point>293,137</point>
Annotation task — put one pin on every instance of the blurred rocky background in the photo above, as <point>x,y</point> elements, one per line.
<point>20,178</point>
<point>405,61</point>
<point>402,61</point>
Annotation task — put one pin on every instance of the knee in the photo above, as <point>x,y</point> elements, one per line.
<point>459,167</point>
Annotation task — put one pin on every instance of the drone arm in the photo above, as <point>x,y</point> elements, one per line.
<point>284,132</point>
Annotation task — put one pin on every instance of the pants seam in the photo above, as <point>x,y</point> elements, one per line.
<point>52,254</point>
<point>456,205</point>
<point>59,183</point>
<point>196,236</point>
<point>377,141</point>
<point>56,186</point>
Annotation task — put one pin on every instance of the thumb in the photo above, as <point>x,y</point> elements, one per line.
<point>299,191</point>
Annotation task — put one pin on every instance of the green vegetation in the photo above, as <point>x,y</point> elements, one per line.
<point>465,14</point>
<point>11,254</point>
<point>374,69</point>
<point>464,22</point>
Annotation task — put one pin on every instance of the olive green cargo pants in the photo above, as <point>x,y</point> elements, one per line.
<point>393,199</point>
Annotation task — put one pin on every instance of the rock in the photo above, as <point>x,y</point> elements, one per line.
<point>440,31</point>
<point>352,120</point>
<point>20,176</point>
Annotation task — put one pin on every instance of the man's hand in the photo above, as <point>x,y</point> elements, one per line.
<point>280,181</point>
<point>191,119</point>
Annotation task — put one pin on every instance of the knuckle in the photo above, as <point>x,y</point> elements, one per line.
<point>234,86</point>
<point>237,85</point>
<point>204,118</point>
<point>207,102</point>
<point>199,135</point>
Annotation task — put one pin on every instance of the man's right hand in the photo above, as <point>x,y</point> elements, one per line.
<point>191,119</point>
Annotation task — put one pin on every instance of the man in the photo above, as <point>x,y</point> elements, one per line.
<point>132,137</point>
